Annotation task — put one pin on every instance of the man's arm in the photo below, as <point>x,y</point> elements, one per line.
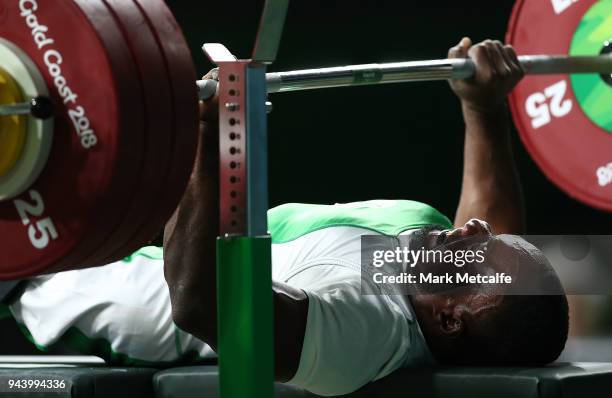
<point>490,190</point>
<point>190,259</point>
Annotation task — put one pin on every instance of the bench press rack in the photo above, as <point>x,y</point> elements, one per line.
<point>244,277</point>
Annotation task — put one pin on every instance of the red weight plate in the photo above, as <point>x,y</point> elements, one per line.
<point>185,109</point>
<point>81,193</point>
<point>162,209</point>
<point>132,112</point>
<point>157,95</point>
<point>563,141</point>
<point>183,77</point>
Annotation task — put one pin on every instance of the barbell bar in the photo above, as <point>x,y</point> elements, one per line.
<point>39,107</point>
<point>412,71</point>
<point>392,72</point>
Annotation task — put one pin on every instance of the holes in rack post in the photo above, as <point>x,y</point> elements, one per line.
<point>233,148</point>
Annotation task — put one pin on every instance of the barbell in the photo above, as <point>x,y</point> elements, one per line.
<point>412,71</point>
<point>99,178</point>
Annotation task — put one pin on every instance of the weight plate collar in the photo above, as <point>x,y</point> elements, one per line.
<point>12,128</point>
<point>31,138</point>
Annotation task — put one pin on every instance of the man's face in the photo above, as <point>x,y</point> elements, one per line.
<point>468,245</point>
<point>490,253</point>
<point>445,311</point>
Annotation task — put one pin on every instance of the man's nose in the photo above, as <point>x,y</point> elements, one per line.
<point>471,228</point>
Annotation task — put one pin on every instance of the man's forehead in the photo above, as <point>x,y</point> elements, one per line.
<point>516,242</point>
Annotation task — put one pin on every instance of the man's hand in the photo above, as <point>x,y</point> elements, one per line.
<point>490,189</point>
<point>209,109</point>
<point>497,72</point>
<point>208,150</point>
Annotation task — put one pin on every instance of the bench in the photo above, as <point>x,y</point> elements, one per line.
<point>90,380</point>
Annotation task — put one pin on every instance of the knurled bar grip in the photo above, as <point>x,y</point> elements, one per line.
<point>398,72</point>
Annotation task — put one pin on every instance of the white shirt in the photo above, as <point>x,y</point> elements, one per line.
<point>350,339</point>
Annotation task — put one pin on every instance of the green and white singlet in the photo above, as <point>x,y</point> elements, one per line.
<point>122,312</point>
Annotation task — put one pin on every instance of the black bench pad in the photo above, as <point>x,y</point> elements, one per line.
<point>563,380</point>
<point>87,382</point>
<point>203,382</point>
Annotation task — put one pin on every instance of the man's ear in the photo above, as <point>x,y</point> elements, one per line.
<point>451,321</point>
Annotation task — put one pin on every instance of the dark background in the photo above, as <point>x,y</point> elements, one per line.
<point>350,144</point>
<point>377,142</point>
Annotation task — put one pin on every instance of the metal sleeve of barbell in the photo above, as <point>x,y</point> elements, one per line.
<point>442,69</point>
<point>23,108</point>
<point>560,64</point>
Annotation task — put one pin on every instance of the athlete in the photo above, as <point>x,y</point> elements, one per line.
<point>329,338</point>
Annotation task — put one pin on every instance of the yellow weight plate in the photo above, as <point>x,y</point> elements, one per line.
<point>12,128</point>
